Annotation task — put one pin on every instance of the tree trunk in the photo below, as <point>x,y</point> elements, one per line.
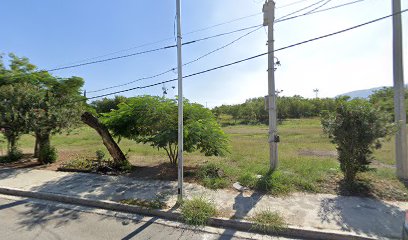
<point>119,158</point>
<point>36,147</point>
<point>43,141</point>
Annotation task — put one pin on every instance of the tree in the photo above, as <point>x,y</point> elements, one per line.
<point>59,109</point>
<point>50,104</point>
<point>105,105</point>
<point>119,159</point>
<point>384,100</point>
<point>15,108</point>
<point>153,120</point>
<point>356,127</point>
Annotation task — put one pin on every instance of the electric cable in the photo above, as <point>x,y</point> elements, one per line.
<point>322,10</point>
<point>185,64</point>
<point>254,57</point>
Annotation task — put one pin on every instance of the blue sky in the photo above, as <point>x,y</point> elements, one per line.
<point>53,33</point>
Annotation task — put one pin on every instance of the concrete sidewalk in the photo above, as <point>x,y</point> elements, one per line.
<point>362,216</point>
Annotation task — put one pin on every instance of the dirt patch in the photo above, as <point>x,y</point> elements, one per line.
<point>318,153</point>
<point>28,161</point>
<point>163,171</point>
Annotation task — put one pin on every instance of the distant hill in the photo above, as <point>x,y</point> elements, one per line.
<point>364,93</point>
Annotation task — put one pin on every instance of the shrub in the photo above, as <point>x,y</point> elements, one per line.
<point>212,176</point>
<point>100,155</point>
<point>13,155</point>
<point>48,154</point>
<point>356,127</point>
<point>197,211</point>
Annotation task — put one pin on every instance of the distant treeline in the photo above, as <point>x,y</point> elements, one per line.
<point>253,111</point>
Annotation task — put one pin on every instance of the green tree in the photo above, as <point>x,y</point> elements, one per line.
<point>50,104</point>
<point>153,120</point>
<point>59,109</point>
<point>384,99</point>
<point>105,105</point>
<point>15,108</point>
<point>356,127</point>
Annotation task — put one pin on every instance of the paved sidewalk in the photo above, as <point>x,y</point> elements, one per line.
<point>363,216</point>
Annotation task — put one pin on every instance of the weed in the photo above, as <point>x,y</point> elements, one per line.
<point>268,221</point>
<point>197,211</point>
<point>248,180</point>
<point>156,203</point>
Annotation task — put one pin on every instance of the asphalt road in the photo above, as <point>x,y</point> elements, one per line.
<point>35,219</point>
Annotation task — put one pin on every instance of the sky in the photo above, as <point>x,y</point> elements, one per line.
<point>53,33</point>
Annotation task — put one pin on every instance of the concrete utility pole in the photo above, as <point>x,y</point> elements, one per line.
<point>180,106</point>
<point>399,93</point>
<point>269,16</point>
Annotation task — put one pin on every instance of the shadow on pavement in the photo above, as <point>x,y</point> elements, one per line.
<point>104,187</point>
<point>242,206</point>
<point>363,216</point>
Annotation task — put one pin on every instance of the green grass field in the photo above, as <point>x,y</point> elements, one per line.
<point>307,159</point>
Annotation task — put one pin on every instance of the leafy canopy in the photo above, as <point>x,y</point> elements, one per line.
<point>154,120</point>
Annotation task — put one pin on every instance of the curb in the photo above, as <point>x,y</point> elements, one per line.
<point>290,231</point>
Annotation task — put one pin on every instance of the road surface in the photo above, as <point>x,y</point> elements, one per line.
<point>36,219</point>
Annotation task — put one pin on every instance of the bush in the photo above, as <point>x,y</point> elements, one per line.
<point>212,176</point>
<point>48,154</point>
<point>13,155</point>
<point>197,211</point>
<point>356,127</point>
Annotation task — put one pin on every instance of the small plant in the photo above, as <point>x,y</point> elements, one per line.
<point>79,164</point>
<point>212,176</point>
<point>197,211</point>
<point>268,221</point>
<point>13,155</point>
<point>275,183</point>
<point>100,155</point>
<point>248,180</point>
<point>48,154</point>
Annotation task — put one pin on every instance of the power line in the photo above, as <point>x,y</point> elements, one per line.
<point>185,64</point>
<point>254,57</point>
<point>299,10</point>
<point>290,4</point>
<point>149,51</point>
<point>160,41</point>
<point>322,10</point>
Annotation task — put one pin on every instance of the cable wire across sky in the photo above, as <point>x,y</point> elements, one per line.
<point>253,57</point>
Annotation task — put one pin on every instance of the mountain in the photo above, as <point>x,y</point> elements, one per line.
<point>364,93</point>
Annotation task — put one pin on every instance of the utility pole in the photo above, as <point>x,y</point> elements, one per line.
<point>316,92</point>
<point>399,93</point>
<point>180,106</point>
<point>269,16</point>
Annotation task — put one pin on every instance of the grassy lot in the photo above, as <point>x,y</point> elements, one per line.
<point>307,159</point>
